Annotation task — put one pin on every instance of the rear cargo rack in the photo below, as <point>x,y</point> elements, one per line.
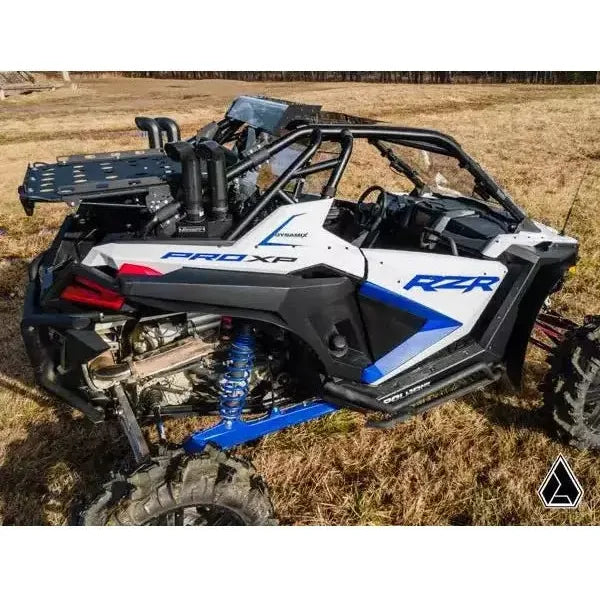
<point>79,177</point>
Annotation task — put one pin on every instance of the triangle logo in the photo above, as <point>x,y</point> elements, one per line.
<point>560,488</point>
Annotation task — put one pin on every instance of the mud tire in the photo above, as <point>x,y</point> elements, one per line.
<point>185,490</point>
<point>571,387</point>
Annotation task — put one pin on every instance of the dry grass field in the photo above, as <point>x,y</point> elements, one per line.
<point>475,461</point>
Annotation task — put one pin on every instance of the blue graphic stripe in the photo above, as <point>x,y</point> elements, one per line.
<point>436,327</point>
<point>267,242</point>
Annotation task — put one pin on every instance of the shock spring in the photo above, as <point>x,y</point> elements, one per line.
<point>235,383</point>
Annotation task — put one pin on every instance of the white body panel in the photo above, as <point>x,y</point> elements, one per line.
<point>302,240</point>
<point>526,238</point>
<point>292,238</point>
<point>394,269</point>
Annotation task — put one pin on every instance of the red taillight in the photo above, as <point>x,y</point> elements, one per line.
<point>86,291</point>
<point>130,269</point>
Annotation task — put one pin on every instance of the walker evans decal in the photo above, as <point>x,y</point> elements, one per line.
<point>396,396</point>
<point>560,488</point>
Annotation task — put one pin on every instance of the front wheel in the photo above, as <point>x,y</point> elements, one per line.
<point>211,488</point>
<point>572,386</point>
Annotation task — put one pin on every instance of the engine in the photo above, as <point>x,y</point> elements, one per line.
<point>176,363</point>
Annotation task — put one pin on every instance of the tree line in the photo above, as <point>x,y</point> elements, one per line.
<point>439,77</point>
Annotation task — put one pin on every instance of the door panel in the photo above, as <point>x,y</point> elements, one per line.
<point>446,293</point>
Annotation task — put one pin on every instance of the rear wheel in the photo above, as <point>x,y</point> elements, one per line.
<point>207,489</point>
<point>572,386</point>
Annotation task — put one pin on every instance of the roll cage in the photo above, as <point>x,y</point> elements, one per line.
<point>316,129</point>
<point>277,124</point>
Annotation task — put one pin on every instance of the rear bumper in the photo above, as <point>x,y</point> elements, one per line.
<point>34,326</point>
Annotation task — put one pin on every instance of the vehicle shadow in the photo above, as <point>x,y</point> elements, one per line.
<point>50,456</point>
<point>61,462</point>
<point>520,409</point>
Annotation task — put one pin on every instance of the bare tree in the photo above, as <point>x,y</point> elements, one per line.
<point>420,77</point>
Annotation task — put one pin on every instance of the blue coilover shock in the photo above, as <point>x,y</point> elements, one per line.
<point>235,382</point>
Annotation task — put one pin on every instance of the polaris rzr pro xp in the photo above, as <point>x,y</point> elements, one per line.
<point>211,277</point>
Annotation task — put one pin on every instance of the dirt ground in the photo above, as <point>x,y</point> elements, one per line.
<point>475,461</point>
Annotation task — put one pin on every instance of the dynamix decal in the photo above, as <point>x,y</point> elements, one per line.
<point>229,257</point>
<point>433,283</point>
<point>277,233</point>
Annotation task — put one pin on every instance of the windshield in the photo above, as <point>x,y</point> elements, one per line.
<point>442,174</point>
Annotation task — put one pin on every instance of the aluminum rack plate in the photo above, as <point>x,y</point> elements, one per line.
<point>74,178</point>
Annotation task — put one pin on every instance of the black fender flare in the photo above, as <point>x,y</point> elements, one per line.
<point>314,309</point>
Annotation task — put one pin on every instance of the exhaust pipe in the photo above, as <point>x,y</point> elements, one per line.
<point>170,127</point>
<point>191,178</point>
<point>166,361</point>
<point>214,155</point>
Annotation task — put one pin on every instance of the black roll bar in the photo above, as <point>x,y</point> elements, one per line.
<point>346,142</point>
<point>279,184</point>
<point>260,156</point>
<point>324,165</point>
<point>425,139</point>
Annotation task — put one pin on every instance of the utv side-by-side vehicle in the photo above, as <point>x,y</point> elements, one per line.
<point>224,275</point>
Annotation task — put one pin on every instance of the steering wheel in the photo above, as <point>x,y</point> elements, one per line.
<point>369,216</point>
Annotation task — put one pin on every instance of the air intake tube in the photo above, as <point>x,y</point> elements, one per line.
<point>151,127</point>
<point>214,155</point>
<point>191,179</point>
<point>170,127</point>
